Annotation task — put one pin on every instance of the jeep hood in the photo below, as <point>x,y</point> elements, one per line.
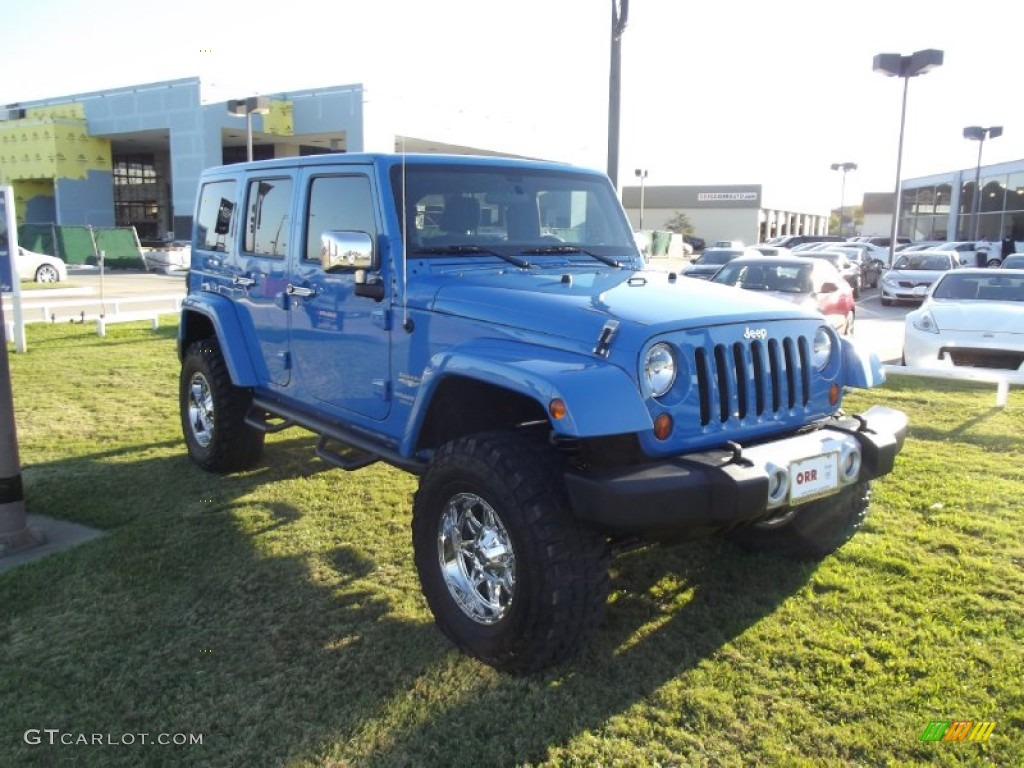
<point>575,304</point>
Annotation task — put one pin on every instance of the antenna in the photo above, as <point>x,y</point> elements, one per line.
<point>406,323</point>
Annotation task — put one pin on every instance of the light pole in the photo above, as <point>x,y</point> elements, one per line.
<point>978,134</point>
<point>641,173</point>
<point>844,167</point>
<point>620,15</point>
<point>246,108</point>
<point>895,65</point>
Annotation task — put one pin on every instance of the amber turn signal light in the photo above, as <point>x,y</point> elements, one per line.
<point>663,426</point>
<point>557,408</point>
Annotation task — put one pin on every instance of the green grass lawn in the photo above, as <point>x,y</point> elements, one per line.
<point>277,613</point>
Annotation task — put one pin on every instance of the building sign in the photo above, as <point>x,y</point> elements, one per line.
<point>6,248</point>
<point>707,197</point>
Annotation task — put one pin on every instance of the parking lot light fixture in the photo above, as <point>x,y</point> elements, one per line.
<point>897,65</point>
<point>979,134</point>
<point>844,167</point>
<point>641,173</point>
<point>258,105</point>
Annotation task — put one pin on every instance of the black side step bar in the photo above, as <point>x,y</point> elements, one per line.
<point>354,451</point>
<point>347,457</point>
<point>259,419</point>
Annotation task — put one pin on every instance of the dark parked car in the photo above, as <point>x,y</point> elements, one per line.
<point>870,266</point>
<point>850,270</point>
<point>711,260</point>
<point>697,243</point>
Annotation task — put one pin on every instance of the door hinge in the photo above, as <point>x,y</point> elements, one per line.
<point>382,388</point>
<point>381,318</point>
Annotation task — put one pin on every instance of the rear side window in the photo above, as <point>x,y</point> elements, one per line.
<point>337,203</point>
<point>268,213</point>
<point>216,217</point>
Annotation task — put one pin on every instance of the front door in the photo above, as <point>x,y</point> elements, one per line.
<point>339,342</point>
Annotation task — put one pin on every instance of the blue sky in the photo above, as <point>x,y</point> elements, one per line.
<point>712,92</point>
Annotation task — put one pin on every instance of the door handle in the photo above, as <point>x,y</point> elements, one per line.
<point>300,291</point>
<point>242,281</point>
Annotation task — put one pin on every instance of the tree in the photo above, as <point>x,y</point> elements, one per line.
<point>680,224</point>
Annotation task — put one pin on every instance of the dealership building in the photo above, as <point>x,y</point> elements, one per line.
<point>719,212</point>
<point>132,156</point>
<point>943,206</point>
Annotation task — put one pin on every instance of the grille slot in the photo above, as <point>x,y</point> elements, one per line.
<point>753,378</point>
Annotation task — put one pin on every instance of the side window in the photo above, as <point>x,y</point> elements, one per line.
<point>337,203</point>
<point>215,217</point>
<point>268,210</point>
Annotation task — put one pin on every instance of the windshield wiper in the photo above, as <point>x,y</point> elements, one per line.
<point>576,249</point>
<point>458,250</point>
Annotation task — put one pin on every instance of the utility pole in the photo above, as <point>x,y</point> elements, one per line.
<point>620,15</point>
<point>15,535</point>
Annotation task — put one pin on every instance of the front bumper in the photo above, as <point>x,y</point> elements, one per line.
<point>722,488</point>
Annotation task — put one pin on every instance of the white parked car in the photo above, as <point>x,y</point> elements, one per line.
<point>174,257</point>
<point>972,317</point>
<point>40,267</point>
<point>913,273</point>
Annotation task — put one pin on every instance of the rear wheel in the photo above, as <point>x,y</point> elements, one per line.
<point>810,531</point>
<point>511,578</point>
<point>213,412</point>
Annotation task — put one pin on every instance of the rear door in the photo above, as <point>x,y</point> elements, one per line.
<point>260,273</point>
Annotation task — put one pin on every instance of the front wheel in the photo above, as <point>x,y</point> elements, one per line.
<point>213,412</point>
<point>47,273</point>
<point>812,530</point>
<point>511,578</point>
<point>993,263</point>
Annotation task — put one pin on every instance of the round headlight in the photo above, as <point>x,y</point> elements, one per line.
<point>822,351</point>
<point>660,369</point>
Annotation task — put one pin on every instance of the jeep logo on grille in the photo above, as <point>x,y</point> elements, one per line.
<point>756,333</point>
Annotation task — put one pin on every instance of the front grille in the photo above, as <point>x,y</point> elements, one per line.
<point>983,358</point>
<point>745,379</point>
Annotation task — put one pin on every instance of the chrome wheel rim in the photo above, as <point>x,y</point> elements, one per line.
<point>46,275</point>
<point>476,558</point>
<point>200,409</point>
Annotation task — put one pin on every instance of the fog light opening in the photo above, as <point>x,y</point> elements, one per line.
<point>778,485</point>
<point>849,465</point>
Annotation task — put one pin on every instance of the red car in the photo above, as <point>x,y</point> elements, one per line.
<point>808,282</point>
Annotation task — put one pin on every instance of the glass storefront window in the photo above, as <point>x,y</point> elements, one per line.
<point>1015,192</point>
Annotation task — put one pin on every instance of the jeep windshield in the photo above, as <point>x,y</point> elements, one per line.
<point>471,210</point>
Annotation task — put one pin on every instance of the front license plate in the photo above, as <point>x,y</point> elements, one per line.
<point>814,477</point>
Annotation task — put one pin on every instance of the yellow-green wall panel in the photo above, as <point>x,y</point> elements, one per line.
<point>279,119</point>
<point>49,148</point>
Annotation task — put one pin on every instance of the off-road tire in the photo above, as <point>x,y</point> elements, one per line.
<point>818,529</point>
<point>560,566</point>
<point>218,440</point>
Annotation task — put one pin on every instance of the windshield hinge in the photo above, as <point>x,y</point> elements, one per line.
<point>604,341</point>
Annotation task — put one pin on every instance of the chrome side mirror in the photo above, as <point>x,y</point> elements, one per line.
<point>344,251</point>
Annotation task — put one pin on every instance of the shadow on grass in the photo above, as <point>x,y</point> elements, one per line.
<point>972,430</point>
<point>645,642</point>
<point>188,619</point>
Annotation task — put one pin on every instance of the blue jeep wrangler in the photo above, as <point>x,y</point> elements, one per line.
<point>488,324</point>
